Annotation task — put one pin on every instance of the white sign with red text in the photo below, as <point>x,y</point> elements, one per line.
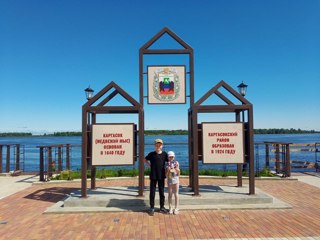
<point>112,144</point>
<point>223,143</point>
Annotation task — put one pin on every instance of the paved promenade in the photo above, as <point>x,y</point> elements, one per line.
<point>21,215</point>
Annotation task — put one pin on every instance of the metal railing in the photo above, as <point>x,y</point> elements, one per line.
<point>283,157</point>
<point>280,157</point>
<point>15,163</point>
<point>49,165</point>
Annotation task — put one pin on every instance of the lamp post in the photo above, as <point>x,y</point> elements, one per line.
<point>242,87</point>
<point>89,93</point>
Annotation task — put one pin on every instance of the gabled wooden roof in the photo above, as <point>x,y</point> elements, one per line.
<point>166,30</point>
<point>230,106</point>
<point>100,107</point>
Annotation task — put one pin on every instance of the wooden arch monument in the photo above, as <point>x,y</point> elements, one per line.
<point>167,84</point>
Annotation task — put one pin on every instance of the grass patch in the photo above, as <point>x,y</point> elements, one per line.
<point>67,175</point>
<point>265,172</point>
<point>100,173</point>
<point>124,172</point>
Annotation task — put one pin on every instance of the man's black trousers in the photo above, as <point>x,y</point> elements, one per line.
<point>153,186</point>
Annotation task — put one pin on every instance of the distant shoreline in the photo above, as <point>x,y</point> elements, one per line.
<point>160,132</point>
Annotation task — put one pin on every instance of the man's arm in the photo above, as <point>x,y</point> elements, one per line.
<point>146,162</point>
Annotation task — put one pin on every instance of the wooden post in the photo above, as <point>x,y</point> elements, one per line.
<point>141,152</point>
<point>141,125</point>
<point>49,162</point>
<point>190,149</point>
<point>251,151</point>
<point>8,159</point>
<point>288,163</point>
<point>277,158</point>
<point>239,174</point>
<point>193,129</point>
<point>0,158</point>
<point>84,153</point>
<point>93,168</point>
<point>267,156</point>
<point>93,177</point>
<point>195,152</point>
<point>240,165</point>
<point>59,158</point>
<point>68,156</point>
<point>41,174</point>
<point>17,167</point>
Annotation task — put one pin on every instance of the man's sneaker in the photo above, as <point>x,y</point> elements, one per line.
<point>170,211</point>
<point>151,211</point>
<point>163,210</point>
<point>176,211</point>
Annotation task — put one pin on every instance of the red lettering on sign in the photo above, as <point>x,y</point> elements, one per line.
<point>222,139</point>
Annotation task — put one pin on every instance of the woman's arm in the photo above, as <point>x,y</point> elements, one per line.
<point>178,169</point>
<point>167,170</point>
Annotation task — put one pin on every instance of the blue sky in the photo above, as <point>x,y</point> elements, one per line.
<point>50,51</point>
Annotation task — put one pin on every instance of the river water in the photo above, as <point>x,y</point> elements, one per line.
<point>30,152</point>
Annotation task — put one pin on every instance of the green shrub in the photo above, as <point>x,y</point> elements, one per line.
<point>217,172</point>
<point>184,172</point>
<point>265,172</point>
<point>76,174</point>
<point>128,172</point>
<point>65,175</point>
<point>119,172</point>
<point>147,171</point>
<point>135,172</point>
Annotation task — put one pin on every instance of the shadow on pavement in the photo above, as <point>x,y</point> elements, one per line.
<point>54,194</point>
<point>135,205</point>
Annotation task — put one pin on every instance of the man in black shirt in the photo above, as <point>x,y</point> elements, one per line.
<point>156,161</point>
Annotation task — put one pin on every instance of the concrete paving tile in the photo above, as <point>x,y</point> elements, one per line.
<point>24,209</point>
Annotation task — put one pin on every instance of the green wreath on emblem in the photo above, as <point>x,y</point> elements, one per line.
<point>156,90</point>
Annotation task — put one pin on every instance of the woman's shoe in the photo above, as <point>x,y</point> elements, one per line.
<point>170,211</point>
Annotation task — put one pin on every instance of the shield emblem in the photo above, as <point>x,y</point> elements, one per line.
<point>166,83</point>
